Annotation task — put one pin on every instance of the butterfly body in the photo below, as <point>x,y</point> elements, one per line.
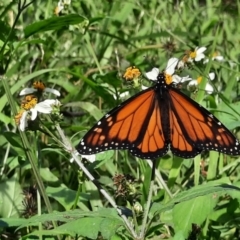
<point>156,120</point>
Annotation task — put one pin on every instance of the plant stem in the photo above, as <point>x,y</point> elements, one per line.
<point>148,204</point>
<point>73,152</point>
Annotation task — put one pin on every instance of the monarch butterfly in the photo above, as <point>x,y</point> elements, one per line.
<point>158,119</point>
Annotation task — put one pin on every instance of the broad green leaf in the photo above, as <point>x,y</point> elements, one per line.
<point>179,236</point>
<point>67,216</point>
<point>54,23</point>
<point>197,191</point>
<point>88,227</point>
<point>94,199</point>
<point>16,142</point>
<point>192,211</point>
<point>5,119</point>
<point>47,175</point>
<point>65,196</point>
<point>11,197</point>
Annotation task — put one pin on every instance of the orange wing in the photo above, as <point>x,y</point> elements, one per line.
<point>159,117</point>
<point>194,129</point>
<point>135,125</point>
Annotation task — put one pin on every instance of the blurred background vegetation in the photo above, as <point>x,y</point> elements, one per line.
<point>84,56</point>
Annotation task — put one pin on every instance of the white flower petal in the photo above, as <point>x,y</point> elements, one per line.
<point>124,94</point>
<point>171,65</point>
<point>178,79</point>
<point>181,64</point>
<point>33,113</point>
<point>43,108</point>
<point>23,121</point>
<point>218,58</point>
<point>187,78</point>
<point>200,50</point>
<point>152,75</point>
<point>199,57</point>
<point>90,158</point>
<point>144,87</point>
<point>53,91</point>
<point>193,83</point>
<point>211,75</point>
<point>27,91</point>
<point>209,89</point>
<point>47,105</point>
<point>51,102</point>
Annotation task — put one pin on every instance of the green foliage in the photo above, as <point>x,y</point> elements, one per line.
<point>83,51</point>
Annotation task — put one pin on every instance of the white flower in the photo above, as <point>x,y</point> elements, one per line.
<point>169,73</point>
<point>121,95</point>
<point>208,88</point>
<point>39,86</point>
<point>144,87</point>
<point>181,64</point>
<point>152,75</point>
<point>27,91</point>
<point>90,158</point>
<point>23,121</point>
<point>44,107</point>
<point>216,56</point>
<point>170,69</point>
<point>197,55</point>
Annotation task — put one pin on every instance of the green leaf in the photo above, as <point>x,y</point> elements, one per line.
<point>193,211</point>
<point>111,79</point>
<point>12,222</point>
<point>197,191</point>
<point>89,227</point>
<point>5,119</point>
<point>48,176</point>
<point>179,236</point>
<point>85,227</point>
<point>16,142</point>
<point>65,196</point>
<point>84,223</point>
<point>94,199</point>
<point>53,23</point>
<point>11,197</point>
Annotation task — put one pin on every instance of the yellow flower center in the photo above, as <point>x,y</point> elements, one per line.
<point>168,78</point>
<point>29,102</point>
<point>39,85</point>
<point>18,116</point>
<point>215,54</point>
<point>193,54</point>
<point>199,79</point>
<point>131,73</point>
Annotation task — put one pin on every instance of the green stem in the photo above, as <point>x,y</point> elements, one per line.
<point>148,204</point>
<point>72,151</point>
<point>21,8</point>
<point>26,145</point>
